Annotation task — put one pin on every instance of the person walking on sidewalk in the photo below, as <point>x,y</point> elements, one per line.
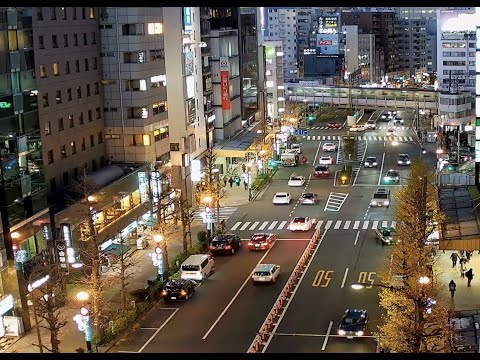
<point>225,181</point>
<point>230,181</point>
<point>463,268</point>
<point>244,168</point>
<point>452,287</point>
<point>469,255</point>
<point>454,258</point>
<point>469,275</point>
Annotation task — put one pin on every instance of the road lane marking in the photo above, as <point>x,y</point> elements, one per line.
<point>344,278</point>
<point>347,225</point>
<point>254,225</point>
<point>356,224</point>
<point>316,154</point>
<point>319,225</point>
<point>384,223</point>
<point>394,224</point>
<point>235,296</point>
<point>237,224</point>
<point>282,225</point>
<point>320,276</point>
<point>308,137</point>
<point>265,223</point>
<point>245,225</point>
<point>148,328</point>
<point>374,225</point>
<point>365,225</point>
<point>356,238</point>
<point>337,225</point>
<point>410,138</point>
<point>272,225</point>
<point>328,224</point>
<point>326,337</point>
<point>381,170</point>
<point>291,296</point>
<point>158,330</point>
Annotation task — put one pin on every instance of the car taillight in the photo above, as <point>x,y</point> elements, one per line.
<point>212,247</point>
<point>183,293</point>
<point>164,292</point>
<point>250,243</point>
<point>228,247</point>
<point>265,243</point>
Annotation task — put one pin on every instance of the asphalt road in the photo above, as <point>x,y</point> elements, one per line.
<point>227,311</point>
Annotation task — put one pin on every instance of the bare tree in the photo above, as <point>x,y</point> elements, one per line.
<point>49,298</point>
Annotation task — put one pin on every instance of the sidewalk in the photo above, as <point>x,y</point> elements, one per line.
<point>466,298</point>
<point>69,336</point>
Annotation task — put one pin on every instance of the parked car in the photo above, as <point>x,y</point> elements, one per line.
<point>225,244</point>
<point>300,223</point>
<point>266,273</point>
<point>353,323</point>
<point>309,199</point>
<point>296,180</point>
<point>334,125</point>
<point>261,241</point>
<point>178,289</point>
<point>325,160</point>
<point>282,198</point>
<point>321,170</point>
<point>371,162</point>
<point>329,147</point>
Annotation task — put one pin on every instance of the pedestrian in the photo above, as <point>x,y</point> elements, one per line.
<point>245,184</point>
<point>461,252</point>
<point>244,168</point>
<point>454,258</point>
<point>469,255</point>
<point>237,180</point>
<point>469,275</point>
<point>230,181</point>
<point>452,287</point>
<point>225,181</point>
<point>222,225</point>
<point>463,260</point>
<point>463,268</point>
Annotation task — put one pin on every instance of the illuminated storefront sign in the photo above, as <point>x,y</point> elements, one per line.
<point>143,186</point>
<point>196,169</point>
<point>156,186</point>
<point>225,82</point>
<point>187,19</point>
<point>5,105</point>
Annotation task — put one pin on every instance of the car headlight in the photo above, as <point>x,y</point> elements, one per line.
<point>387,202</point>
<point>374,164</point>
<point>399,162</point>
<point>408,162</point>
<point>366,164</point>
<point>341,332</point>
<point>359,333</point>
<point>374,202</point>
<point>387,240</point>
<point>386,178</point>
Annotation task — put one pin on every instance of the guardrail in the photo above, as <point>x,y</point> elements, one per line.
<point>280,306</point>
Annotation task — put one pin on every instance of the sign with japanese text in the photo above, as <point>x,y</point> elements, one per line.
<point>225,83</point>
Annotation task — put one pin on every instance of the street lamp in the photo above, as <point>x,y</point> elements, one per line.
<point>208,215</point>
<point>83,319</point>
<point>249,180</point>
<point>162,251</point>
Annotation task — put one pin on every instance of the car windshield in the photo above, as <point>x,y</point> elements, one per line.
<point>281,196</point>
<point>259,237</point>
<point>380,196</point>
<point>262,273</point>
<point>295,178</point>
<point>403,157</point>
<point>325,158</point>
<point>353,320</point>
<point>219,242</point>
<point>328,144</point>
<point>370,159</point>
<point>392,173</point>
<point>321,168</point>
<point>308,195</point>
<point>387,232</point>
<point>190,267</point>
<point>299,220</point>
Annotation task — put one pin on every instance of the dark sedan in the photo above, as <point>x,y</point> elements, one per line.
<point>261,241</point>
<point>178,289</point>
<point>321,170</point>
<point>309,199</point>
<point>225,244</point>
<point>353,323</point>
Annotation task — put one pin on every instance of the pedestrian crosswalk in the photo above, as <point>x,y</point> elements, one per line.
<point>320,127</point>
<point>225,213</point>
<point>378,127</point>
<point>361,137</point>
<point>270,225</point>
<point>360,149</point>
<point>335,201</point>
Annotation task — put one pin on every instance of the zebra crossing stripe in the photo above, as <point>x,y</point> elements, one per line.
<point>245,225</point>
<point>282,225</point>
<point>308,137</point>
<point>356,224</point>
<point>272,225</point>
<point>365,225</point>
<point>347,225</point>
<point>265,223</point>
<point>319,225</point>
<point>394,224</point>
<point>375,225</point>
<point>384,223</point>
<point>237,224</point>
<point>328,224</point>
<point>410,138</point>
<point>337,225</point>
<point>254,225</point>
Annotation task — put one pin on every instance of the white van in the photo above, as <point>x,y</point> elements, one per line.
<point>197,267</point>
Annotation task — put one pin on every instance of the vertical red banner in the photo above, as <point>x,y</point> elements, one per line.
<point>225,82</point>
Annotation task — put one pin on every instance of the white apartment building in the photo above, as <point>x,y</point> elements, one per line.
<point>456,50</point>
<point>281,25</point>
<point>274,79</point>
<point>132,58</point>
<point>359,53</point>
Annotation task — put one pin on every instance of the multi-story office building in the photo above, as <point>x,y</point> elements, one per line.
<point>274,78</point>
<point>306,24</point>
<point>281,25</point>
<point>456,50</point>
<point>132,58</point>
<point>379,22</point>
<point>67,62</point>
<point>359,54</point>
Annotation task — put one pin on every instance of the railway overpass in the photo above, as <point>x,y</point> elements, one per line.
<point>368,98</point>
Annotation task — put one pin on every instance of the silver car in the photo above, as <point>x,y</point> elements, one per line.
<point>266,273</point>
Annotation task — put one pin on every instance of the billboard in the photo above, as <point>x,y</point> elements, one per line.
<point>225,82</point>
<point>328,25</point>
<point>327,44</point>
<point>187,19</point>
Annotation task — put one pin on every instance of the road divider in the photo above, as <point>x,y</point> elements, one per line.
<point>279,308</point>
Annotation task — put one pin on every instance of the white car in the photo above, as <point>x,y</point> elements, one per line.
<point>357,128</point>
<point>325,160</point>
<point>370,125</point>
<point>300,223</point>
<point>265,273</point>
<point>296,180</point>
<point>281,198</point>
<point>297,148</point>
<point>391,132</point>
<point>329,147</point>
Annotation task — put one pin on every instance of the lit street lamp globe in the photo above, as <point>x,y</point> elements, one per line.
<point>82,296</point>
<point>207,199</point>
<point>158,238</point>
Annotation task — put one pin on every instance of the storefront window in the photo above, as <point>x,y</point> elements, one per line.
<point>136,198</point>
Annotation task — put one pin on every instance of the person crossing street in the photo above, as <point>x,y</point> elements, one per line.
<point>452,287</point>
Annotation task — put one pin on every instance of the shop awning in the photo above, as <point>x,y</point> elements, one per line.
<point>238,146</point>
<point>149,222</point>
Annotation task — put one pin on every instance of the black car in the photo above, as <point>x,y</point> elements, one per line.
<point>353,323</point>
<point>403,159</point>
<point>178,289</point>
<point>225,244</point>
